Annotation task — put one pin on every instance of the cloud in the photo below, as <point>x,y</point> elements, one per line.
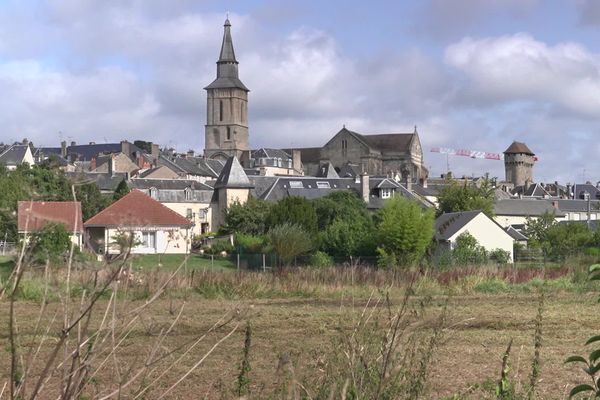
<point>589,12</point>
<point>443,19</point>
<point>515,68</point>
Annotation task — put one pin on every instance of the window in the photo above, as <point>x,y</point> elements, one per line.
<point>204,227</point>
<point>189,214</point>
<point>323,185</point>
<point>344,147</point>
<point>228,133</point>
<point>386,193</point>
<point>220,110</point>
<point>296,184</point>
<point>188,193</point>
<point>148,240</point>
<point>154,193</point>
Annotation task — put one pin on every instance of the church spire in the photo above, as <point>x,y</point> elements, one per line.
<point>227,53</point>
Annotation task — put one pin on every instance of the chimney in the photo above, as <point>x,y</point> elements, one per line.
<point>93,164</point>
<point>364,187</point>
<point>297,161</point>
<point>73,143</point>
<point>125,148</point>
<point>408,182</point>
<point>569,190</point>
<point>63,149</point>
<point>92,143</point>
<point>190,153</point>
<point>111,165</point>
<point>425,182</point>
<point>154,151</point>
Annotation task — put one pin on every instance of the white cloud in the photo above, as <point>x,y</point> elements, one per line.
<point>520,68</point>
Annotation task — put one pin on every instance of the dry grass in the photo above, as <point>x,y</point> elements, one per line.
<point>304,330</point>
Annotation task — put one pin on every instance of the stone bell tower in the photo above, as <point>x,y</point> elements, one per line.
<point>226,129</point>
<point>518,164</point>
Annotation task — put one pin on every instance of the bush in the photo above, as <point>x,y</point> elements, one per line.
<point>289,240</point>
<point>499,256</point>
<point>321,260</point>
<point>492,286</point>
<point>219,247</point>
<point>386,259</point>
<point>249,243</point>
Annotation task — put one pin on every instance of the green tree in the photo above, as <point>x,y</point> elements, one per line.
<point>144,145</point>
<point>51,243</point>
<point>294,210</point>
<point>466,197</point>
<point>92,200</point>
<point>121,190</point>
<point>249,218</point>
<point>288,241</point>
<point>561,240</point>
<point>339,205</point>
<point>404,230</point>
<point>468,251</point>
<point>536,228</point>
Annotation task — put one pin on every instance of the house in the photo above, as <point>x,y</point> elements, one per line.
<point>156,229</point>
<point>16,155</point>
<point>488,233</point>
<point>189,198</point>
<point>579,210</point>
<point>271,162</point>
<point>34,215</point>
<point>516,211</point>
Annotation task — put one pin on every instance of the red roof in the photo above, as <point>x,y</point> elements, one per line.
<point>137,209</point>
<point>34,215</point>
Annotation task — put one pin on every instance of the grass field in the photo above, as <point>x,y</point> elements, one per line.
<point>466,365</point>
<point>172,261</point>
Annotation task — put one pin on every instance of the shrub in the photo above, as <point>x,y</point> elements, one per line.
<point>289,240</point>
<point>492,286</point>
<point>500,256</point>
<point>321,260</point>
<point>249,243</point>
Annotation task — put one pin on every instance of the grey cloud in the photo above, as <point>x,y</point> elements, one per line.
<point>589,12</point>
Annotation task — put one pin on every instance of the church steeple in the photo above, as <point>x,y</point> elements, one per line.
<point>226,129</point>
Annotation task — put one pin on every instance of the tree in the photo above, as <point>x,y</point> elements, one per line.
<point>404,230</point>
<point>50,243</point>
<point>121,190</point>
<point>92,200</point>
<point>289,240</point>
<point>560,240</point>
<point>346,225</point>
<point>294,210</point>
<point>536,229</point>
<point>143,145</point>
<point>468,251</point>
<point>249,218</point>
<point>466,197</point>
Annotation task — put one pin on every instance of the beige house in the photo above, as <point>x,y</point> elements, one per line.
<point>16,155</point>
<point>151,227</point>
<point>32,216</point>
<point>488,233</point>
<point>515,212</point>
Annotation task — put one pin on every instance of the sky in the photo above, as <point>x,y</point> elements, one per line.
<point>473,74</point>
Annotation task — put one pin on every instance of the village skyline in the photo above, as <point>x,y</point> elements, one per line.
<point>137,72</point>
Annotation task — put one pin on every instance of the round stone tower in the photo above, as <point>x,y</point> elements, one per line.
<point>518,164</point>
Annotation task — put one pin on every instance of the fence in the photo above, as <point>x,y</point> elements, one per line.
<point>7,248</point>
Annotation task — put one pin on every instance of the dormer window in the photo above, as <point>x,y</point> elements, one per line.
<point>188,193</point>
<point>153,193</point>
<point>385,193</point>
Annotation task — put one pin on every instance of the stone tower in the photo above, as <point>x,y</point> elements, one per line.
<point>518,164</point>
<point>226,130</point>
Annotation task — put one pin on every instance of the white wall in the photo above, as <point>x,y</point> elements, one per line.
<point>488,234</point>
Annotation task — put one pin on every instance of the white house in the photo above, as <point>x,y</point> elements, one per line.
<point>488,233</point>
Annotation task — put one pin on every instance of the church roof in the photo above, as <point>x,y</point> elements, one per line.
<point>233,176</point>
<point>518,148</point>
<point>389,141</point>
<point>227,52</point>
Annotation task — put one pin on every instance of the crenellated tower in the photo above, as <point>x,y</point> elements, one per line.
<point>226,129</point>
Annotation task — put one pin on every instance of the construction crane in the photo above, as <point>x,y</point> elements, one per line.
<point>484,155</point>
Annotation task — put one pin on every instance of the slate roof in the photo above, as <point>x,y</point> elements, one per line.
<point>349,170</point>
<point>137,209</point>
<point>270,153</point>
<point>526,207</point>
<point>533,190</point>
<point>389,141</point>
<point>327,171</point>
<point>233,176</point>
<point>577,205</point>
<point>515,234</point>
<point>85,152</point>
<point>14,154</point>
<point>579,189</point>
<point>104,181</point>
<point>34,215</point>
<point>168,184</point>
<point>277,188</point>
<point>518,148</point>
<point>446,225</point>
<point>227,71</point>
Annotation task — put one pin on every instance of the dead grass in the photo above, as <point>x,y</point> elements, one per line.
<point>304,329</point>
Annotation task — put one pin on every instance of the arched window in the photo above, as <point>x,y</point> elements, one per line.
<point>220,110</point>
